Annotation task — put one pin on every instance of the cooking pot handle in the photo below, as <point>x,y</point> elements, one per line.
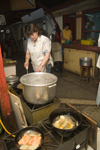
<point>50,86</point>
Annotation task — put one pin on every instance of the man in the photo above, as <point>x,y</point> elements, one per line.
<point>66,35</point>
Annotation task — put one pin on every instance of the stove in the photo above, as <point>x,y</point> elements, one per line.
<point>35,113</point>
<point>52,141</point>
<point>37,116</point>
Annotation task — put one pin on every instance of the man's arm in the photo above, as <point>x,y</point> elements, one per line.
<point>61,36</point>
<point>71,37</point>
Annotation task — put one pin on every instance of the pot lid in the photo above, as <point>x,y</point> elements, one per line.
<point>86,59</point>
<point>12,78</point>
<point>38,79</point>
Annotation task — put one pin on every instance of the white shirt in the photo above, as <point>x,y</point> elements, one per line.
<point>37,51</point>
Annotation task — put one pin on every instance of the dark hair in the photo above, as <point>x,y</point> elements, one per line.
<point>31,28</point>
<point>67,24</point>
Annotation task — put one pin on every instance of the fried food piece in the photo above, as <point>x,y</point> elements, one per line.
<point>35,140</point>
<point>24,147</point>
<point>24,140</point>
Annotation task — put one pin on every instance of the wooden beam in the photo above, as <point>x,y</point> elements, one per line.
<point>78,101</point>
<point>64,5</point>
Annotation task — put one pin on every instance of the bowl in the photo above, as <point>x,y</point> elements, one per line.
<point>67,42</point>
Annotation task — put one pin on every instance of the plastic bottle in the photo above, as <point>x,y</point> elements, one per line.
<point>99,40</point>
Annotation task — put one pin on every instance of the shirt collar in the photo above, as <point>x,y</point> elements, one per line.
<point>39,39</point>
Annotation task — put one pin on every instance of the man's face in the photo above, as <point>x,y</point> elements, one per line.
<point>66,28</point>
<point>34,36</point>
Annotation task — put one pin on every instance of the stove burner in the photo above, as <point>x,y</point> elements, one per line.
<point>52,141</point>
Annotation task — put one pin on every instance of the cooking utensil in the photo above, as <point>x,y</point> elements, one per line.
<point>26,130</point>
<point>39,87</point>
<point>86,61</point>
<point>12,79</point>
<point>64,111</point>
<point>19,86</point>
<point>27,70</point>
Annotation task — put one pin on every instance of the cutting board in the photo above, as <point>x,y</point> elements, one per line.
<point>18,111</point>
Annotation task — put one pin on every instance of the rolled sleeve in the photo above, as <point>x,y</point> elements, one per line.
<point>28,46</point>
<point>27,51</point>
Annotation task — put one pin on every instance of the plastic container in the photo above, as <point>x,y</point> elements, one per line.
<point>58,66</point>
<point>67,42</point>
<point>87,42</point>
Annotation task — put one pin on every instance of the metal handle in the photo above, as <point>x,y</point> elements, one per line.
<point>50,86</point>
<point>27,69</point>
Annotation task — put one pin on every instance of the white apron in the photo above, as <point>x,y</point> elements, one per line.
<point>37,57</point>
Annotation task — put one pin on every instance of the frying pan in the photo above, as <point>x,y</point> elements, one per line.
<point>15,87</point>
<point>19,86</point>
<point>63,111</point>
<point>21,133</point>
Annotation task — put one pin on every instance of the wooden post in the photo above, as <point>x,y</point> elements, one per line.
<point>7,113</point>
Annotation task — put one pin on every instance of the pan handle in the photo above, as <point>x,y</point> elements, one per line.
<point>50,86</point>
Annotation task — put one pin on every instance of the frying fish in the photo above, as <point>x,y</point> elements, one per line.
<point>25,140</point>
<point>64,122</point>
<point>58,121</point>
<point>30,141</point>
<point>35,140</point>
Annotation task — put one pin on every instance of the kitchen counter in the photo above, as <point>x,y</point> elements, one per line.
<point>10,64</point>
<point>82,47</point>
<point>10,68</point>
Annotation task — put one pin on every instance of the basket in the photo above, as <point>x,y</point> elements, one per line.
<point>87,42</point>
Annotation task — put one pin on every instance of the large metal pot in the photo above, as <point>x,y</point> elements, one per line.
<point>86,61</point>
<point>38,88</point>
